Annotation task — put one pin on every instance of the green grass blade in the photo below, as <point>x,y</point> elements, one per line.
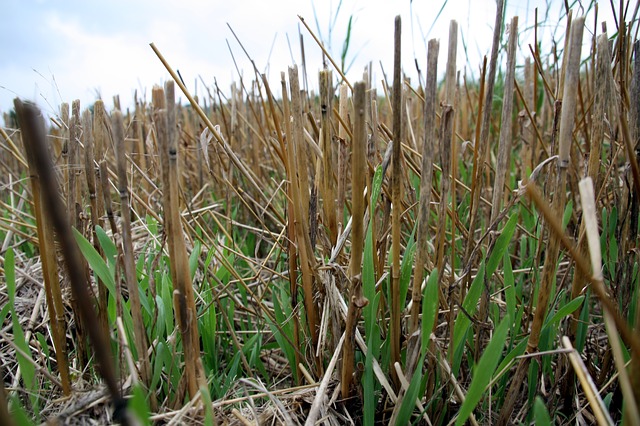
<point>540,413</point>
<point>96,262</point>
<point>501,245</point>
<point>108,246</point>
<point>406,268</point>
<point>409,399</point>
<point>369,311</point>
<point>429,309</point>
<point>18,413</point>
<point>24,356</point>
<point>564,311</point>
<point>470,305</point>
<point>138,405</point>
<point>484,370</point>
<point>509,286</point>
<point>193,258</point>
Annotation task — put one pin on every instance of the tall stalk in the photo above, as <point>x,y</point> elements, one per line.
<point>343,158</point>
<point>356,300</point>
<point>602,94</point>
<point>502,167</point>
<point>32,126</point>
<point>326,145</point>
<point>140,333</point>
<point>426,172</point>
<point>301,217</point>
<point>396,200</point>
<point>45,231</point>
<point>571,80</point>
<point>183,297</point>
<point>74,209</point>
<point>95,208</point>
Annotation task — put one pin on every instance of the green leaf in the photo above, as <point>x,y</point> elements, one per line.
<point>509,286</point>
<point>429,309</point>
<point>108,246</point>
<point>193,258</point>
<point>18,413</point>
<point>564,311</point>
<point>409,399</point>
<point>583,325</point>
<point>95,261</point>
<point>501,245</point>
<point>406,268</point>
<point>370,311</point>
<point>10,274</point>
<point>138,405</point>
<point>284,335</point>
<point>469,304</point>
<point>208,411</point>
<point>566,217</point>
<point>484,371</point>
<point>25,358</point>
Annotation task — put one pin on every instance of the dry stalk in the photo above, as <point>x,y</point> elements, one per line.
<point>326,141</point>
<point>358,173</point>
<point>504,145</point>
<point>326,53</point>
<point>593,238</point>
<point>139,331</point>
<point>558,204</point>
<point>602,94</point>
<point>396,200</point>
<point>184,303</point>
<point>242,168</point>
<point>590,389</point>
<point>300,219</point>
<point>635,114</point>
<point>482,144</point>
<point>45,231</point>
<point>426,173</point>
<point>74,207</point>
<point>304,217</point>
<point>448,161</point>
<point>291,228</point>
<point>343,158</point>
<point>32,126</point>
<point>502,168</point>
<point>95,208</point>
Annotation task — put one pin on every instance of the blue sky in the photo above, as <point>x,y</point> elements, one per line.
<point>58,51</point>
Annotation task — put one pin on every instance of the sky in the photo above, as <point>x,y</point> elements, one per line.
<point>55,51</point>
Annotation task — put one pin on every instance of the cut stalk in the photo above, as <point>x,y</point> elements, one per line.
<point>426,172</point>
<point>184,302</point>
<point>74,207</point>
<point>33,131</point>
<point>326,141</point>
<point>95,207</point>
<point>502,168</point>
<point>635,114</point>
<point>45,231</point>
<point>139,330</point>
<point>301,161</point>
<point>342,153</point>
<point>593,238</point>
<point>300,219</point>
<point>571,81</point>
<point>602,94</point>
<point>358,172</point>
<point>447,159</point>
<point>396,200</point>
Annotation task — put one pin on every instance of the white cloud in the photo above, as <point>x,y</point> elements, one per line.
<point>81,47</point>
